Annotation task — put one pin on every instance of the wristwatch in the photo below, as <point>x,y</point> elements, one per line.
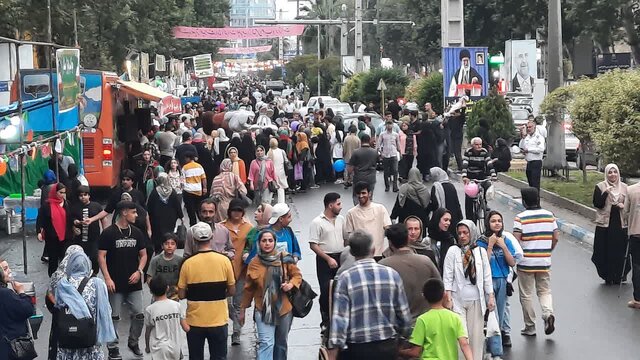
<point>141,272</point>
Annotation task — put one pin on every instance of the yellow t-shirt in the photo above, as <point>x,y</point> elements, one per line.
<point>205,276</point>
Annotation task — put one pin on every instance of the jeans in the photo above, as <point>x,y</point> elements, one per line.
<point>534,172</point>
<point>505,324</point>
<point>456,149</point>
<point>439,153</point>
<point>136,308</point>
<point>390,167</point>
<point>541,282</point>
<point>494,343</point>
<point>272,339</point>
<point>191,203</point>
<point>234,305</point>
<point>215,336</point>
<point>377,350</point>
<point>634,250</point>
<point>325,274</point>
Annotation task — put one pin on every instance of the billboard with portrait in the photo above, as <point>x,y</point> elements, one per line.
<point>521,65</point>
<point>465,73</point>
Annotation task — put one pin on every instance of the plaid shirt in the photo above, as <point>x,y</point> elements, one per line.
<point>369,305</point>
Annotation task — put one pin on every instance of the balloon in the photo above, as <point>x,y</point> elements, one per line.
<point>339,166</point>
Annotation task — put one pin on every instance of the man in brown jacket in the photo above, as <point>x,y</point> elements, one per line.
<point>632,207</point>
<point>414,269</point>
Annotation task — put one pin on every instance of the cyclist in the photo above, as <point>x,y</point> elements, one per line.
<point>476,166</point>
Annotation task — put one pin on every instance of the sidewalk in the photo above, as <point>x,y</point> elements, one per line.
<point>569,222</point>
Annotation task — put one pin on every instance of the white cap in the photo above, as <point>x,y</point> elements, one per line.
<point>279,210</point>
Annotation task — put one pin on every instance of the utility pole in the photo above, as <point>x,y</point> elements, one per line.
<point>358,49</point>
<point>555,159</point>
<point>297,37</point>
<point>319,78</point>
<point>75,28</point>
<point>452,23</point>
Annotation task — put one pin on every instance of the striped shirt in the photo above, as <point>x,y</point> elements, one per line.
<point>369,305</point>
<point>537,228</point>
<point>193,177</point>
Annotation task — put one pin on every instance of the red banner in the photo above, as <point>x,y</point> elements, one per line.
<point>229,33</point>
<point>244,50</point>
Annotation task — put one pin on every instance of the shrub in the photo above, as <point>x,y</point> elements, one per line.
<point>495,110</point>
<point>364,86</point>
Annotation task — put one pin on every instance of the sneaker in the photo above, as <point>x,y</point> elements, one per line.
<point>44,259</point>
<point>235,338</point>
<point>135,349</point>
<point>506,340</point>
<point>549,324</point>
<point>314,186</point>
<point>339,181</point>
<point>114,354</point>
<point>386,189</point>
<point>395,189</point>
<point>634,304</point>
<point>528,331</point>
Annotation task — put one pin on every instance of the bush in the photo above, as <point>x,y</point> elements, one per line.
<point>495,110</point>
<point>427,89</point>
<point>307,67</point>
<point>364,86</point>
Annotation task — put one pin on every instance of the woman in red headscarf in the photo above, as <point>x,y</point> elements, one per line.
<point>55,225</point>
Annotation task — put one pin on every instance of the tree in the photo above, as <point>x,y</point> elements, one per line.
<point>428,89</point>
<point>363,86</point>
<point>495,110</point>
<point>306,67</point>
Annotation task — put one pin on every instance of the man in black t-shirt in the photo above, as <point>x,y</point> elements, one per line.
<point>122,257</point>
<point>86,232</point>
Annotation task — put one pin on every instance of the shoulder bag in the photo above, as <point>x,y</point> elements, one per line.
<point>301,298</point>
<point>75,333</point>
<point>22,347</point>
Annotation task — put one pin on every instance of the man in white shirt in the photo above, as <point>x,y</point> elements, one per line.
<point>326,239</point>
<point>532,145</point>
<point>370,217</point>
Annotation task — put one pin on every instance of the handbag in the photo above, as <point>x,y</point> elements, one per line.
<point>301,298</point>
<point>272,186</point>
<point>22,347</point>
<point>287,164</point>
<point>181,232</point>
<point>74,333</point>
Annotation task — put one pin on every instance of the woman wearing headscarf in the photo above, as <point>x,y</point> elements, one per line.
<point>502,257</point>
<point>610,241</point>
<point>279,159</point>
<point>261,172</point>
<point>337,149</point>
<point>445,195</point>
<point>412,200</point>
<point>323,157</point>
<point>48,178</point>
<point>247,152</point>
<point>467,283</point>
<point>270,275</point>
<point>151,183</point>
<point>164,209</point>
<point>92,302</point>
<point>440,235</point>
<point>55,225</point>
<point>304,163</point>
<point>15,310</point>
<point>226,187</point>
<point>236,142</point>
<point>238,166</point>
<point>50,299</point>
<point>261,216</point>
<point>286,143</point>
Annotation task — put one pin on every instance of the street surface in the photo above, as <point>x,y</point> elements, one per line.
<point>592,320</point>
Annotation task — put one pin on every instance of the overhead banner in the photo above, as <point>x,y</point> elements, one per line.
<point>144,67</point>
<point>521,65</point>
<point>160,63</point>
<point>68,69</point>
<point>244,50</point>
<point>202,65</point>
<point>229,33</point>
<point>465,73</point>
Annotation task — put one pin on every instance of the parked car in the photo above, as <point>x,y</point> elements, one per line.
<point>571,144</point>
<point>315,105</point>
<point>352,119</point>
<point>343,108</point>
<point>592,156</point>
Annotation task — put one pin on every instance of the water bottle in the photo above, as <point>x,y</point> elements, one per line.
<point>85,228</point>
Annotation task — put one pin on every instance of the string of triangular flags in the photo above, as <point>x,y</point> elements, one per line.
<point>11,160</point>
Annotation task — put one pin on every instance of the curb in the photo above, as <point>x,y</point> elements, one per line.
<point>566,227</point>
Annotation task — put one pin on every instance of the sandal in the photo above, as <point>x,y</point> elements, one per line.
<point>634,304</point>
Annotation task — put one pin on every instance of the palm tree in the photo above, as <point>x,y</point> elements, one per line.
<point>329,34</point>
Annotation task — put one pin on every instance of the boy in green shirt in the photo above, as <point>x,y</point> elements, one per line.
<point>438,330</point>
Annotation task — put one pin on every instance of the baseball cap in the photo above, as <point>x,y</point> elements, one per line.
<point>201,232</point>
<point>236,204</point>
<point>279,210</point>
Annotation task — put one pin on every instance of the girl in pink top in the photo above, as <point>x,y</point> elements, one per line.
<point>261,172</point>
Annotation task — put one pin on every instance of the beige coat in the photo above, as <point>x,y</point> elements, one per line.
<point>602,215</point>
<point>632,209</point>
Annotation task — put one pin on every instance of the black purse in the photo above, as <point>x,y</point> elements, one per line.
<point>75,333</point>
<point>301,298</point>
<point>181,232</point>
<point>22,347</point>
<point>272,186</point>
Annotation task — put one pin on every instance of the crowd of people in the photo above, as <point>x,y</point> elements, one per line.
<point>421,286</point>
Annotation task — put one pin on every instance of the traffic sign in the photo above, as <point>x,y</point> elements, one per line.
<point>381,85</point>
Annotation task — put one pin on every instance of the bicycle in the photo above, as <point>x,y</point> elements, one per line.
<point>480,206</point>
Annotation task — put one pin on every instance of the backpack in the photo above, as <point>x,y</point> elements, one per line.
<point>75,333</point>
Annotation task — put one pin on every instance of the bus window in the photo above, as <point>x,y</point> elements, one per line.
<point>36,86</point>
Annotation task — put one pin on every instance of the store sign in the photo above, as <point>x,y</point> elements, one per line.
<point>202,65</point>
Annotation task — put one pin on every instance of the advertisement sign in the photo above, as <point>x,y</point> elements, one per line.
<point>244,50</point>
<point>228,33</point>
<point>202,65</point>
<point>68,72</point>
<point>160,63</point>
<point>521,65</point>
<point>144,68</point>
<point>465,72</point>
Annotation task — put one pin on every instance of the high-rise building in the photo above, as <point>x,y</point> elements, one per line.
<point>244,12</point>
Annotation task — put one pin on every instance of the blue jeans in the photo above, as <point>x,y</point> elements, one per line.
<point>136,309</point>
<point>494,343</point>
<point>272,339</point>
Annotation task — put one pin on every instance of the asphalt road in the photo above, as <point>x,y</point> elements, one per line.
<point>592,320</point>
